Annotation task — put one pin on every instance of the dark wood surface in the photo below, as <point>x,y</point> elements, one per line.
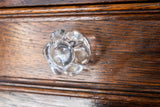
<point>122,51</point>
<point>23,3</point>
<point>124,67</point>
<point>128,11</point>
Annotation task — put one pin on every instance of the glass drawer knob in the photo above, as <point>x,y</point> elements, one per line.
<point>67,53</point>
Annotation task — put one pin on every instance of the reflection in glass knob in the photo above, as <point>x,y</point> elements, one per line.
<point>67,53</point>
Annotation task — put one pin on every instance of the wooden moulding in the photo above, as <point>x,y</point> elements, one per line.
<point>78,89</point>
<point>37,100</point>
<point>22,3</point>
<point>132,11</point>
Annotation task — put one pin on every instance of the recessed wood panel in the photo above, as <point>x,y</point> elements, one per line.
<point>122,51</point>
<point>125,42</point>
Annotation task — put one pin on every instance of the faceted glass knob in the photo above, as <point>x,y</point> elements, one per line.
<point>67,53</point>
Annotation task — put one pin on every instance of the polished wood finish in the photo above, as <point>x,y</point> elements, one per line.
<point>134,11</point>
<point>125,42</point>
<point>80,9</point>
<point>37,100</point>
<point>22,3</point>
<point>113,43</point>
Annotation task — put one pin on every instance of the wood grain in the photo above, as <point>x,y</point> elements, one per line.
<point>14,99</point>
<point>125,42</point>
<point>85,18</point>
<point>136,11</point>
<point>125,53</point>
<point>81,8</point>
<point>22,3</point>
<point>81,89</point>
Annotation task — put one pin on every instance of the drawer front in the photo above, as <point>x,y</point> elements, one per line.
<point>125,48</point>
<point>121,50</point>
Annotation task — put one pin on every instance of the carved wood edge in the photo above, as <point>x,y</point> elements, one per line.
<point>80,89</point>
<point>129,11</point>
<point>22,3</point>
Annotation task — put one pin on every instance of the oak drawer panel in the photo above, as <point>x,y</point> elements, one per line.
<point>125,44</point>
<point>122,51</point>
